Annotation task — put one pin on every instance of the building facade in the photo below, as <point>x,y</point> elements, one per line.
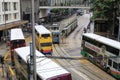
<point>10,16</point>
<point>109,26</point>
<point>26,8</point>
<point>9,11</point>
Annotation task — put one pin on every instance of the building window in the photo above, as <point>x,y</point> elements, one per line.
<point>9,6</point>
<point>15,6</point>
<point>9,16</point>
<point>15,15</point>
<point>0,7</point>
<point>0,18</point>
<point>5,6</point>
<point>6,17</point>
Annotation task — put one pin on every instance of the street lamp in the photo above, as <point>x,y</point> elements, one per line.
<point>119,29</point>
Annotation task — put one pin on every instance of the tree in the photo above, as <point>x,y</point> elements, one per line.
<point>103,8</point>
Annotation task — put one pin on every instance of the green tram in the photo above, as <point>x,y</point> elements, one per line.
<point>103,52</point>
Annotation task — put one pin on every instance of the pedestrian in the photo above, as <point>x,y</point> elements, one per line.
<point>88,30</point>
<point>85,30</point>
<point>3,38</point>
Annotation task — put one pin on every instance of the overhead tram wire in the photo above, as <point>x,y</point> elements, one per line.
<point>69,58</point>
<point>74,58</point>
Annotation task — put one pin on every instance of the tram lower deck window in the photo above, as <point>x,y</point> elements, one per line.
<point>115,65</point>
<point>110,62</point>
<point>46,44</point>
<point>119,67</point>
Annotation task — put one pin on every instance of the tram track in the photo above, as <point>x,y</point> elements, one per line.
<point>77,37</point>
<point>64,63</point>
<point>77,32</point>
<point>75,67</point>
<point>84,71</point>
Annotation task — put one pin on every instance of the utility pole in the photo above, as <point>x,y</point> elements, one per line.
<point>30,64</point>
<point>33,41</point>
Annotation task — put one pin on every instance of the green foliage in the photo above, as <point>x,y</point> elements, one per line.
<point>103,8</point>
<point>60,10</point>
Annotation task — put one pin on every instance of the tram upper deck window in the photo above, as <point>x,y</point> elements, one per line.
<point>55,27</point>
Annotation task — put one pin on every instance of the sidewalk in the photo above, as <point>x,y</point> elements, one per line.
<point>2,77</point>
<point>3,49</point>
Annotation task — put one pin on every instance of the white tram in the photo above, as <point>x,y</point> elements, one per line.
<point>46,69</point>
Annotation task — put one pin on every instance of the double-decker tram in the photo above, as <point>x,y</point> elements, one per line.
<point>68,29</point>
<point>103,52</point>
<point>46,69</point>
<point>43,39</point>
<point>16,40</point>
<point>55,33</point>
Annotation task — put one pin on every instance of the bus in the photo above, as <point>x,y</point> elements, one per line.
<point>46,69</point>
<point>55,33</point>
<point>43,39</point>
<point>103,52</point>
<point>16,40</point>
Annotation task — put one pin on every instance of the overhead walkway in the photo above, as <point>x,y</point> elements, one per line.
<point>70,4</point>
<point>64,4</point>
<point>46,7</point>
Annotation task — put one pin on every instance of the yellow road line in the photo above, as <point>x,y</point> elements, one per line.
<point>84,61</point>
<point>11,71</point>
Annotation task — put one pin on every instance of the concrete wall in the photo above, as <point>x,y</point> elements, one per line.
<point>43,13</point>
<point>26,9</point>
